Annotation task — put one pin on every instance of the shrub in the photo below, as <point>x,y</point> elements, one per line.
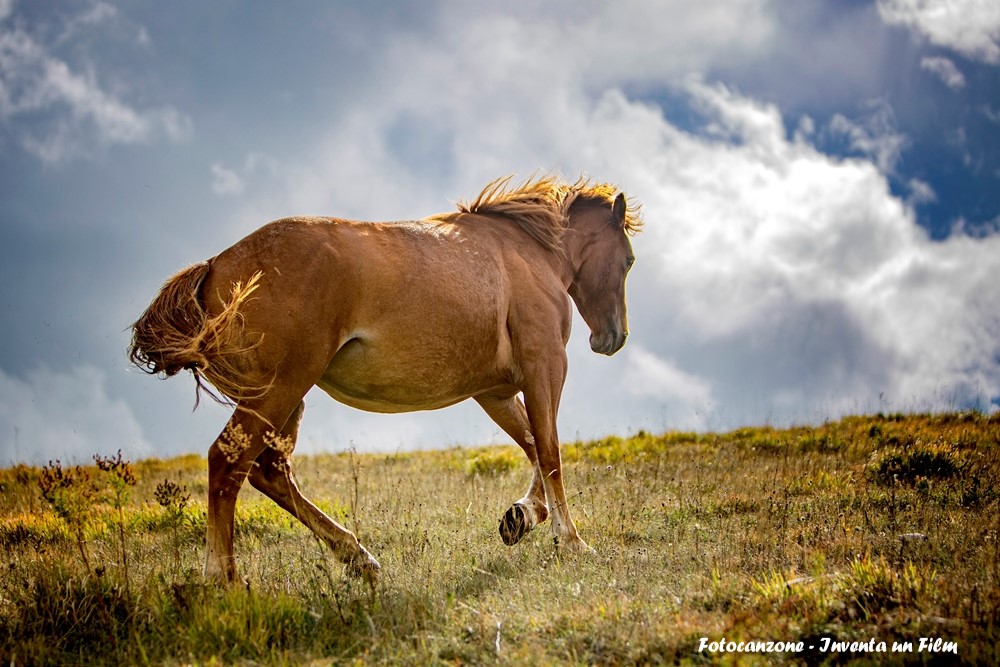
<point>914,462</point>
<point>72,495</point>
<point>491,463</point>
<point>68,615</point>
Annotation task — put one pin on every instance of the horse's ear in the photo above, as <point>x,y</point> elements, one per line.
<point>618,210</point>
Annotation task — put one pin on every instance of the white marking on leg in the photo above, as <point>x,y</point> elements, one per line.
<point>528,507</point>
<point>555,508</point>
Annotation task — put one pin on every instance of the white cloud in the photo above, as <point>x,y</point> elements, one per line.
<point>61,113</point>
<point>945,70</point>
<point>976,230</point>
<point>990,113</point>
<point>875,135</point>
<point>971,27</point>
<point>804,271</point>
<point>97,13</point>
<point>648,39</point>
<point>64,415</point>
<point>258,169</point>
<point>648,375</point>
<point>226,181</point>
<point>921,192</point>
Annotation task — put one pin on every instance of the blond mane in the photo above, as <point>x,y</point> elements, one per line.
<point>540,205</point>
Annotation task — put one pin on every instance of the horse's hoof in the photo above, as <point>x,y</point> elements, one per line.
<point>222,574</point>
<point>514,525</point>
<point>574,545</point>
<point>224,583</point>
<point>364,566</point>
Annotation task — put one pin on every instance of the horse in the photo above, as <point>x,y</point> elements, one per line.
<point>394,317</point>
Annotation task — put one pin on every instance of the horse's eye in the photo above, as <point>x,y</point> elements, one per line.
<point>629,261</point>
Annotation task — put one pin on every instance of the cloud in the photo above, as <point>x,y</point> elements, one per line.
<point>921,192</point>
<point>60,113</point>
<point>793,281</point>
<point>64,415</point>
<point>971,27</point>
<point>976,230</point>
<point>945,70</point>
<point>226,181</point>
<point>648,375</point>
<point>875,135</point>
<point>991,114</point>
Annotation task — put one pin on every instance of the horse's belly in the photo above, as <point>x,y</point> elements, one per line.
<point>390,404</point>
<point>394,380</point>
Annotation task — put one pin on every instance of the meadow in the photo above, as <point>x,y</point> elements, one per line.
<point>838,543</point>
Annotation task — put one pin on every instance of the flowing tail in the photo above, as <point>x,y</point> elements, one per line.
<point>176,333</point>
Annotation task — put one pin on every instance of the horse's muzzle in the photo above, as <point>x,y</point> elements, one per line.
<point>608,342</point>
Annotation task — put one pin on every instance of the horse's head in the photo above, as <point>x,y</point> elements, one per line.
<point>598,248</point>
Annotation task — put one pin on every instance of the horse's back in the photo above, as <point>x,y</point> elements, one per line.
<point>364,267</point>
<point>387,316</point>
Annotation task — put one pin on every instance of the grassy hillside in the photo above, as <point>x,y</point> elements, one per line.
<point>881,529</point>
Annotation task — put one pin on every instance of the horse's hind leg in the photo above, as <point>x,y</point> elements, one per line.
<point>230,459</point>
<point>272,475</point>
<point>531,510</point>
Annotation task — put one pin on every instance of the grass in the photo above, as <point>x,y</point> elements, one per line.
<point>867,530</point>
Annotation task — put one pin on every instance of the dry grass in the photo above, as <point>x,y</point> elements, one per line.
<point>879,528</point>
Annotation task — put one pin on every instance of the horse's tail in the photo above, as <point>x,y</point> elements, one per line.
<point>177,333</point>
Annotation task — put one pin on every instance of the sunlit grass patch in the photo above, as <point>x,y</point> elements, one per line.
<point>237,624</point>
<point>23,529</point>
<point>494,461</point>
<point>914,461</point>
<point>641,446</point>
<point>869,599</point>
<point>874,587</point>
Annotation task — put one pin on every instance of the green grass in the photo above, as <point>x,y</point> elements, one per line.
<point>881,528</point>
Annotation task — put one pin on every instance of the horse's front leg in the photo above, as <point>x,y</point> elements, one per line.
<point>543,388</point>
<point>509,414</point>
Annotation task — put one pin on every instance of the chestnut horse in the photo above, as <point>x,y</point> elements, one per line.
<point>394,317</point>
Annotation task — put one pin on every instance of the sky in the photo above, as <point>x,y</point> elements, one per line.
<point>820,183</point>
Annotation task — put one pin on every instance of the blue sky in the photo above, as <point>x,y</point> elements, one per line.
<point>819,180</point>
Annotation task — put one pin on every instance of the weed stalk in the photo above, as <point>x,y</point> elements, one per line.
<point>71,495</point>
<point>122,478</point>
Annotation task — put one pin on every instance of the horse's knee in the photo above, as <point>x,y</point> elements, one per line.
<point>260,477</point>
<point>224,479</point>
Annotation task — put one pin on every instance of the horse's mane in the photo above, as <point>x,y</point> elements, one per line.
<point>540,205</point>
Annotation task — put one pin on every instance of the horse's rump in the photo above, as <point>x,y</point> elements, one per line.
<point>177,333</point>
